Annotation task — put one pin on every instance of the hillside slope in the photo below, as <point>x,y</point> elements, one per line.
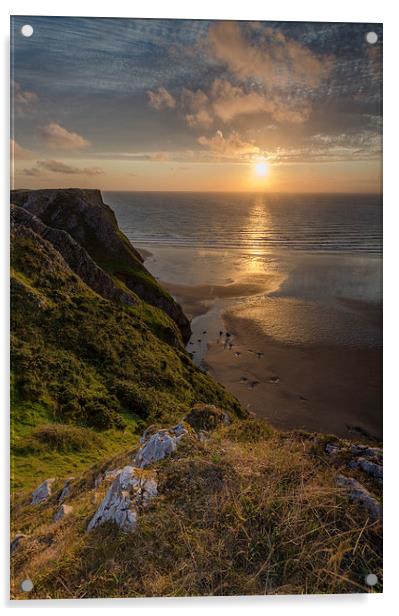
<point>134,473</point>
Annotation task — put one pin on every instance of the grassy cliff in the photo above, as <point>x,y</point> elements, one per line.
<point>241,508</point>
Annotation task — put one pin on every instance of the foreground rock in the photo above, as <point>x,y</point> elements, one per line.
<point>62,512</point>
<point>159,445</point>
<point>66,490</point>
<point>42,492</point>
<point>368,467</point>
<point>359,494</point>
<point>129,490</point>
<point>16,542</point>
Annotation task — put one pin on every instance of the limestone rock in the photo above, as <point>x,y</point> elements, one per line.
<point>331,449</point>
<point>62,512</point>
<point>130,489</point>
<point>358,493</point>
<point>158,445</point>
<point>66,490</point>
<point>367,452</point>
<point>368,467</point>
<point>16,542</point>
<point>42,492</point>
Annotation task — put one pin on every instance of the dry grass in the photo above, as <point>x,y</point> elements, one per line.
<point>249,516</point>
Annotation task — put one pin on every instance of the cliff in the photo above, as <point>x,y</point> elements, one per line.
<point>92,224</point>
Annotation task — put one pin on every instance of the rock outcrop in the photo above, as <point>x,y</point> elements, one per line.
<point>129,491</point>
<point>359,494</point>
<point>42,492</point>
<point>157,446</point>
<point>93,226</point>
<point>62,512</point>
<point>75,256</point>
<point>16,542</point>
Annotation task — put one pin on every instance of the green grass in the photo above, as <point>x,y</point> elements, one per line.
<point>79,360</point>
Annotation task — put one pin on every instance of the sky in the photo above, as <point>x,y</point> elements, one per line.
<point>136,104</point>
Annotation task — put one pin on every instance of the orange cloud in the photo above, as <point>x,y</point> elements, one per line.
<point>57,166</point>
<point>20,153</point>
<point>275,60</point>
<point>230,147</point>
<point>57,137</point>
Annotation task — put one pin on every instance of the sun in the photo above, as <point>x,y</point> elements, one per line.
<point>261,169</point>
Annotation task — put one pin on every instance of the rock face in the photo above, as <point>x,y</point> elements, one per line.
<point>75,256</point>
<point>42,492</point>
<point>16,542</point>
<point>62,512</point>
<point>359,494</point>
<point>93,226</point>
<point>66,490</point>
<point>130,490</point>
<point>159,445</point>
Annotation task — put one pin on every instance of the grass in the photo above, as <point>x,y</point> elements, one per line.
<point>253,517</point>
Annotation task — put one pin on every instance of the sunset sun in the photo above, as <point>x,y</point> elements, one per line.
<point>261,169</point>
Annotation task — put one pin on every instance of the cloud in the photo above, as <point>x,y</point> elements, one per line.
<point>231,147</point>
<point>57,166</point>
<point>20,153</point>
<point>196,106</point>
<point>161,99</point>
<point>23,98</point>
<point>226,101</point>
<point>269,56</point>
<point>57,137</point>
<point>159,156</point>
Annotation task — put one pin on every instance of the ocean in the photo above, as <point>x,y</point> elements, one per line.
<point>316,222</point>
<point>315,261</point>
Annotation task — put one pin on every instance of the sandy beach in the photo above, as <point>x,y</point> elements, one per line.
<point>301,351</point>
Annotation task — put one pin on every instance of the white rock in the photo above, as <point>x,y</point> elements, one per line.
<point>358,493</point>
<point>42,492</point>
<point>62,512</point>
<point>158,445</point>
<point>66,491</point>
<point>128,491</point>
<point>112,474</point>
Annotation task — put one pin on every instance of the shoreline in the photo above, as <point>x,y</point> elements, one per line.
<point>308,375</point>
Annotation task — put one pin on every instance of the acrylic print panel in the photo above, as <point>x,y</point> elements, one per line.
<point>196,308</point>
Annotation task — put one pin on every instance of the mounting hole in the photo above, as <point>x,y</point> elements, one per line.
<point>27,585</point>
<point>371,579</point>
<point>372,37</point>
<point>27,30</point>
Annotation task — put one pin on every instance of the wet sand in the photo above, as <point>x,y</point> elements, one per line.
<point>332,389</point>
<point>304,346</point>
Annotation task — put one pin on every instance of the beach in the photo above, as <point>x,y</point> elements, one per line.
<point>293,337</point>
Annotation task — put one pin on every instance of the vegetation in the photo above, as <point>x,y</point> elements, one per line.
<point>244,509</point>
<point>255,517</point>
